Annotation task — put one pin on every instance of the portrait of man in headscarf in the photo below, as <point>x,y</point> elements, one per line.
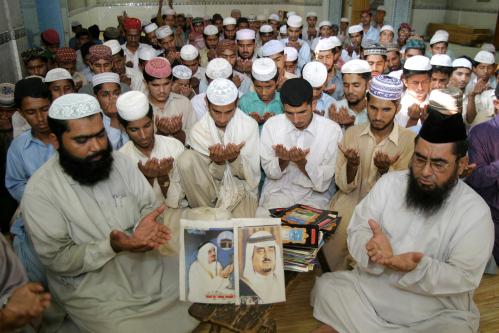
<point>263,274</point>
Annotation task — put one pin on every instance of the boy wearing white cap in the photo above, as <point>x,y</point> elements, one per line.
<point>310,32</point>
<point>294,28</point>
<point>211,38</point>
<point>343,31</point>
<point>326,51</point>
<point>275,51</point>
<point>150,33</point>
<point>229,24</point>
<point>59,82</point>
<point>264,102</point>
<point>352,108</point>
<point>189,56</point>
<point>368,151</point>
<point>245,39</point>
<point>386,34</point>
<point>298,151</point>
<point>461,75</point>
<point>182,78</point>
<point>223,167</point>
<point>353,49</point>
<point>130,76</point>
<point>275,22</point>
<point>106,87</point>
<point>316,73</point>
<point>291,61</point>
<point>166,41</point>
<point>441,69</point>
<point>439,42</point>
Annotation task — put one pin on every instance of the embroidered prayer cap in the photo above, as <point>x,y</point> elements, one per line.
<point>131,23</point>
<point>295,21</point>
<point>446,101</point>
<point>132,105</point>
<point>386,87</point>
<point>189,52</point>
<point>229,21</point>
<point>381,9</point>
<point>485,57</point>
<point>75,24</point>
<point>57,74</point>
<point>114,45</point>
<point>100,52</point>
<point>197,20</point>
<point>356,66</point>
<point>296,91</point>
<point>417,63</point>
<point>392,47</point>
<point>441,60</point>
<point>311,14</point>
<point>245,34</point>
<point>106,77</point>
<point>218,68</point>
<point>344,20</point>
<point>315,73</point>
<point>251,18</point>
<point>65,55</point>
<point>291,13</point>
<point>147,52</point>
<point>33,53</point>
<point>263,69</point>
<point>158,68</point>
<point>221,92</point>
<point>406,26</point>
<point>375,49</point>
<point>272,47</point>
<point>443,128</point>
<point>488,47</point>
<point>74,106</point>
<point>111,33</point>
<point>51,36</point>
<point>462,62</point>
<point>415,43</point>
<point>387,27</point>
<point>163,32</point>
<point>325,23</point>
<point>291,53</point>
<point>283,29</point>
<point>182,72</point>
<point>274,17</point>
<point>210,30</point>
<point>226,44</point>
<point>150,28</point>
<point>439,36</point>
<point>354,29</point>
<point>266,28</point>
<point>7,95</point>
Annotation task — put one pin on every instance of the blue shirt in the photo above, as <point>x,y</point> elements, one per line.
<point>324,103</point>
<point>337,79</point>
<point>116,136</point>
<point>250,102</point>
<point>26,154</point>
<point>372,34</point>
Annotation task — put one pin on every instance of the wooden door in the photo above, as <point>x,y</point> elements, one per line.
<point>357,7</point>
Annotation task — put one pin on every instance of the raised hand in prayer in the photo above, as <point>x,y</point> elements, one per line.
<point>351,154</point>
<point>169,125</point>
<point>312,33</point>
<point>378,247</point>
<point>341,117</point>
<point>383,162</point>
<point>281,152</point>
<point>267,115</point>
<point>233,150</point>
<point>172,55</point>
<point>257,117</point>
<point>294,44</point>
<point>150,169</point>
<point>125,79</point>
<point>480,86</point>
<point>165,166</point>
<point>148,235</point>
<point>330,90</point>
<point>237,80</point>
<point>217,154</point>
<point>298,155</point>
<point>25,304</point>
<point>404,262</point>
<point>415,113</point>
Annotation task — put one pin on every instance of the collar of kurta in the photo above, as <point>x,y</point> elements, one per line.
<point>311,128</point>
<point>393,136</point>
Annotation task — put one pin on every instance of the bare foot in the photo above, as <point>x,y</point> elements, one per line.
<point>324,329</point>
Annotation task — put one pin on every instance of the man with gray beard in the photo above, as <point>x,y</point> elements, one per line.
<point>421,239</point>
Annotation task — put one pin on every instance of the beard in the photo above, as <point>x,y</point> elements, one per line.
<point>428,201</point>
<point>87,171</point>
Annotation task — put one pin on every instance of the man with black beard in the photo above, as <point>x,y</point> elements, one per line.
<point>92,218</point>
<point>421,240</point>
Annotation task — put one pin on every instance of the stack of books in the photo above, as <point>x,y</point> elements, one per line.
<point>304,230</point>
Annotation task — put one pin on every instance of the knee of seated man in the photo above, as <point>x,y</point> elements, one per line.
<point>186,160</point>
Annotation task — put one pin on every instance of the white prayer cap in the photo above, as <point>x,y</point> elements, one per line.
<point>288,14</point>
<point>295,21</point>
<point>74,106</point>
<point>387,28</point>
<point>344,20</point>
<point>386,87</point>
<point>245,34</point>
<point>325,44</point>
<point>485,57</point>
<point>488,47</point>
<point>354,29</point>
<point>114,45</point>
<point>147,53</point>
<point>132,105</point>
<point>263,69</point>
<point>229,21</point>
<point>462,62</point>
<point>170,12</point>
<point>272,47</point>
<point>189,52</point>
<point>274,17</point>
<point>218,68</point>
<point>266,28</point>
<point>210,30</point>
<point>325,23</point>
<point>291,53</point>
<point>396,74</point>
<point>7,95</point>
<point>222,92</point>
<point>150,27</point>
<point>75,24</point>
<point>311,14</point>
<point>315,73</point>
<point>251,18</point>
<point>417,63</point>
<point>381,8</point>
<point>336,41</point>
<point>283,29</point>
<point>356,66</point>
<point>57,74</point>
<point>439,36</point>
<point>163,32</point>
<point>107,77</point>
<point>441,60</point>
<point>182,72</point>
<point>260,17</point>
